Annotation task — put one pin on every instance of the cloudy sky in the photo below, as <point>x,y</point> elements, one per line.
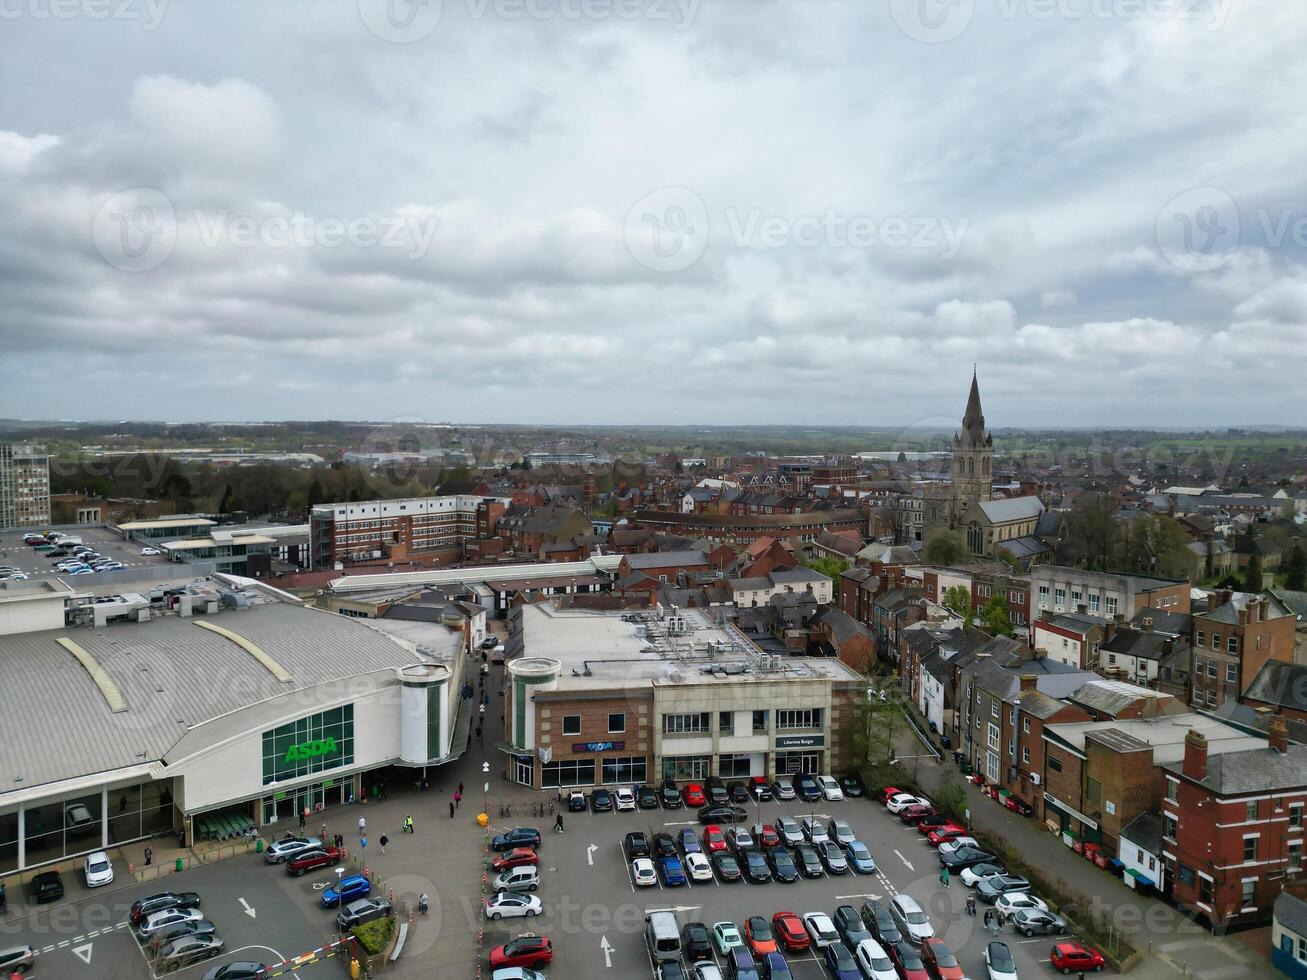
<point>643,211</point>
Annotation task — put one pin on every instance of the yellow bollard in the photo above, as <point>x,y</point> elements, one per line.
<point>483,819</point>
<point>354,969</point>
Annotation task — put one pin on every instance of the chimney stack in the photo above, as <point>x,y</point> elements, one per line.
<point>1218,599</point>
<point>1195,755</point>
<point>1147,624</point>
<point>1278,735</point>
<point>1028,682</point>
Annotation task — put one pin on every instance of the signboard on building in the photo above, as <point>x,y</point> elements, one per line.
<point>597,746</point>
<point>800,741</point>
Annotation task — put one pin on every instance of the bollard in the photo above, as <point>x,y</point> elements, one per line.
<point>354,969</point>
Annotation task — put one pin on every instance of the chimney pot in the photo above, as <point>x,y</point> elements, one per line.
<point>1278,735</point>
<point>1029,682</point>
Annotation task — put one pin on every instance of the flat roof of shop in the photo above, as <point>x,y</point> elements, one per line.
<point>624,646</point>
<point>180,682</point>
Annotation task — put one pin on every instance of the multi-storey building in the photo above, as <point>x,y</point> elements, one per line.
<point>1061,588</point>
<point>1233,638</point>
<point>24,486</point>
<point>367,530</point>
<point>800,529</point>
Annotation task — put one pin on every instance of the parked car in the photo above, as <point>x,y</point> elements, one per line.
<point>820,928</point>
<point>860,859</point>
<point>907,960</point>
<point>881,923</point>
<point>814,830</point>
<point>187,950</point>
<point>664,845</point>
<point>1075,958</point>
<point>849,924</point>
<point>964,857</point>
<point>345,891</point>
<point>524,878</point>
<point>288,847</point>
<point>766,836</point>
<point>672,870</point>
<point>161,938</point>
<point>949,846</point>
<point>1032,922</point>
<point>782,864</point>
<point>714,839</point>
<point>643,873</point>
<point>529,951</point>
<point>782,790</point>
<point>698,867</point>
<point>999,963</point>
<point>98,870</point>
<point>16,959</point>
<point>147,906</point>
<point>725,937</point>
<point>696,942</point>
<point>739,839</point>
<point>903,800</point>
<point>832,858</point>
<point>852,785</point>
<point>806,788</point>
<point>311,860</point>
<point>758,936</point>
<point>940,962</point>
<point>670,795</point>
<point>760,788</point>
<point>47,887</point>
<point>576,801</point>
<point>789,830</point>
<point>722,814</point>
<point>774,967</point>
<point>839,831</point>
<point>727,868</point>
<point>943,834</point>
<point>624,799</point>
<point>830,789</point>
<point>917,811</point>
<point>911,919</point>
<point>238,970</point>
<point>972,876</point>
<point>989,889</point>
<point>166,919</point>
<point>755,865</point>
<point>517,857</point>
<point>840,963</point>
<point>517,837</point>
<point>805,856</point>
<point>635,844</point>
<point>790,932</point>
<point>601,801</point>
<point>363,910</point>
<point>738,792</point>
<point>874,961</point>
<point>1011,903</point>
<point>646,798</point>
<point>506,905</point>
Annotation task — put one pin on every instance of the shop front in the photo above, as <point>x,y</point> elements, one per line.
<point>317,743</point>
<point>799,753</point>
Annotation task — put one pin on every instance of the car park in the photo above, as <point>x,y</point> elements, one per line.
<point>908,962</point>
<point>910,918</point>
<point>576,802</point>
<point>738,792</point>
<point>840,963</point>
<point>16,959</point>
<point>758,936</point>
<point>664,845</point>
<point>1032,922</point>
<point>940,962</point>
<point>874,961</point>
<point>646,798</point>
<point>288,847</point>
<point>1010,903</point>
<point>635,844</point>
<point>517,837</point>
<point>601,801</point>
<point>624,799</point>
<point>672,871</point>
<point>47,887</point>
<point>755,866</point>
<point>830,789</point>
<point>98,870</point>
<point>766,835</point>
<point>789,831</point>
<point>525,855</point>
<point>643,873</point>
<point>1075,958</point>
<point>774,967</point>
<point>725,937</point>
<point>860,859</point>
<point>698,866</point>
<point>832,858</point>
<point>505,905</point>
<point>805,856</point>
<point>782,864</point>
<point>989,889</point>
<point>726,867</point>
<point>790,932</point>
<point>145,907</point>
<point>188,950</point>
<point>852,785</point>
<point>917,811</point>
<point>999,963</point>
<point>696,942</point>
<point>163,937</point>
<point>881,923</point>
<point>311,860</point>
<point>714,839</point>
<point>738,839</point>
<point>346,890</point>
<point>525,878</point>
<point>362,910</point>
<point>166,919</point>
<point>820,928</point>
<point>849,924</point>
<point>806,788</point>
<point>528,951</point>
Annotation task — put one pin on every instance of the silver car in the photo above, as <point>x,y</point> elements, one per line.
<point>288,847</point>
<point>187,950</point>
<point>911,919</point>
<point>167,919</point>
<point>788,829</point>
<point>840,831</point>
<point>361,910</point>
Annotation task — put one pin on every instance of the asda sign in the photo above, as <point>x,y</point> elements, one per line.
<point>310,750</point>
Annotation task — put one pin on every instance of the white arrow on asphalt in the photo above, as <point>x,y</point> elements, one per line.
<point>246,906</point>
<point>590,853</point>
<point>607,947</point>
<point>906,861</point>
<point>84,952</point>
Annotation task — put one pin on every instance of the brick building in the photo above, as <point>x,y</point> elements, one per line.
<point>1232,639</point>
<point>1062,589</point>
<point>395,530</point>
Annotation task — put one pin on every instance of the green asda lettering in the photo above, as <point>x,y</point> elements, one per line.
<point>310,750</point>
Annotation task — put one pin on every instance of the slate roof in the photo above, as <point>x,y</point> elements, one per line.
<point>1011,509</point>
<point>1280,684</point>
<point>1039,704</point>
<point>1147,644</point>
<point>1145,831</point>
<point>842,626</point>
<point>750,584</point>
<point>1261,770</point>
<point>1295,602</point>
<point>1023,547</point>
<point>798,576</point>
<point>1229,612</point>
<point>1109,696</point>
<point>1164,621</point>
<point>1291,913</point>
<point>1080,623</point>
<point>666,559</point>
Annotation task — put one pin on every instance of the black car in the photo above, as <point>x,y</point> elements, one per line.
<point>850,926</point>
<point>671,970</point>
<point>739,793</point>
<point>636,845</point>
<point>517,837</point>
<point>147,906</point>
<point>646,798</point>
<point>671,795</point>
<point>576,802</point>
<point>696,942</point>
<point>760,788</point>
<point>833,858</point>
<point>755,866</point>
<point>727,868</point>
<point>717,795</point>
<point>992,888</point>
<point>601,801</point>
<point>805,787</point>
<point>489,643</point>
<point>240,970</point>
<point>806,858</point>
<point>965,857</point>
<point>47,887</point>
<point>664,845</point>
<point>724,813</point>
<point>852,785</point>
<point>882,925</point>
<point>782,864</point>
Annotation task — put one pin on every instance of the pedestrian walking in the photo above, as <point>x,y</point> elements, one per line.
<point>460,789</point>
<point>458,797</point>
<point>451,809</point>
<point>943,877</point>
<point>322,834</point>
<point>149,856</point>
<point>558,824</point>
<point>363,825</point>
<point>423,903</point>
<point>363,842</point>
<point>304,817</point>
<point>408,824</point>
<point>971,905</point>
<point>383,840</point>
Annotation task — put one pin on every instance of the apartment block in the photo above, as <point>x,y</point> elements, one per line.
<point>24,486</point>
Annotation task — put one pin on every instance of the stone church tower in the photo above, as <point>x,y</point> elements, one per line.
<point>973,451</point>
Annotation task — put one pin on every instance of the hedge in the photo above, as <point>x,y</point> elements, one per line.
<point>373,936</point>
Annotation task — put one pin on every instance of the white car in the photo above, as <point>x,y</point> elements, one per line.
<point>168,918</point>
<point>830,788</point>
<point>874,962</point>
<point>739,838</point>
<point>643,873</point>
<point>99,870</point>
<point>901,800</point>
<point>151,551</point>
<point>624,799</point>
<point>820,928</point>
<point>789,831</point>
<point>698,866</point>
<point>1016,901</point>
<point>949,846</point>
<point>707,971</point>
<point>998,961</point>
<point>508,905</point>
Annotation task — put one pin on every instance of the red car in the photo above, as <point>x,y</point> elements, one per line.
<point>532,952</point>
<point>323,857</point>
<point>693,795</point>
<point>517,857</point>
<point>940,962</point>
<point>888,793</point>
<point>940,834</point>
<point>911,814</point>
<point>713,839</point>
<point>907,960</point>
<point>926,824</point>
<point>1075,958</point>
<point>758,934</point>
<point>790,932</point>
<point>766,836</point>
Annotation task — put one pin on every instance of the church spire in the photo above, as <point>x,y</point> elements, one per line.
<point>973,422</point>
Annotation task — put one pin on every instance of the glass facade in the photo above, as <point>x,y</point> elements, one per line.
<point>681,767</point>
<point>624,769</point>
<point>569,772</point>
<point>317,743</point>
<point>139,810</point>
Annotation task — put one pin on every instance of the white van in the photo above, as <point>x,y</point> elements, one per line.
<point>663,936</point>
<point>525,878</point>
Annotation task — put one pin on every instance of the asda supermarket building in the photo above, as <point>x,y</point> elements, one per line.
<point>205,706</point>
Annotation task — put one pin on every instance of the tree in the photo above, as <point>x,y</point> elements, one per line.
<point>1252,578</point>
<point>949,796</point>
<point>315,494</point>
<point>957,599</point>
<point>1296,570</point>
<point>225,506</point>
<point>1091,532</point>
<point>832,568</point>
<point>996,616</point>
<point>945,547</point>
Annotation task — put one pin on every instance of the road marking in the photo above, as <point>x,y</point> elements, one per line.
<point>680,823</point>
<point>905,861</point>
<point>246,906</point>
<point>64,943</point>
<point>871,895</point>
<point>590,853</point>
<point>84,953</point>
<point>607,947</point>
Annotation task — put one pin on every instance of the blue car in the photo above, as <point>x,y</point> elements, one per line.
<point>840,963</point>
<point>673,871</point>
<point>860,858</point>
<point>690,842</point>
<point>776,968</point>
<point>348,889</point>
<point>517,837</point>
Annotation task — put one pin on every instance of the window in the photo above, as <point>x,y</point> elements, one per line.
<point>1250,810</point>
<point>993,706</point>
<point>1172,789</point>
<point>1059,598</point>
<point>726,722</point>
<point>1016,598</point>
<point>1093,602</point>
<point>1111,605</point>
<point>1025,725</point>
<point>733,766</point>
<point>1043,597</point>
<point>1295,816</point>
<point>616,723</point>
<point>625,769</point>
<point>1295,854</point>
<point>1249,849</point>
<point>1025,754</point>
<point>1205,890</point>
<point>993,737</point>
<point>1168,826</point>
<point>1201,638</point>
<point>314,744</point>
<point>685,724</point>
<point>799,718</point>
<point>1232,645</point>
<point>1211,699</point>
<point>1211,668</point>
<point>759,721</point>
<point>1199,662</point>
<point>1249,886</point>
<point>1216,642</point>
<point>1076,596</point>
<point>568,772</point>
<point>1055,764</point>
<point>1111,658</point>
<point>1232,673</point>
<point>571,724</point>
